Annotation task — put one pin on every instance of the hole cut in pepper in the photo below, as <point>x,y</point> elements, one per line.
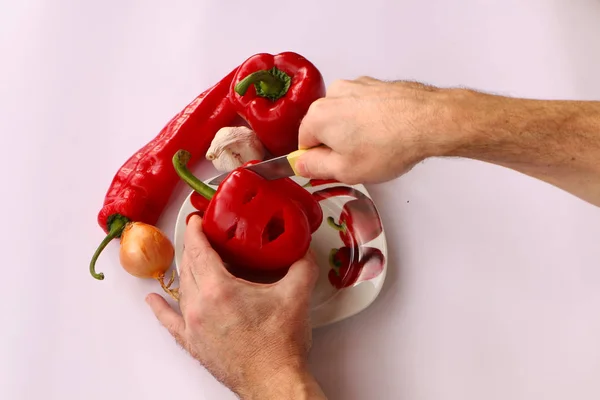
<point>274,228</point>
<point>231,231</point>
<point>249,196</point>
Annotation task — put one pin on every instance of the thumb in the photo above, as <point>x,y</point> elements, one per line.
<point>319,162</point>
<point>168,318</point>
<point>301,277</point>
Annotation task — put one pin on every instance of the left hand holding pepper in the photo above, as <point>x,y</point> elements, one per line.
<point>254,338</point>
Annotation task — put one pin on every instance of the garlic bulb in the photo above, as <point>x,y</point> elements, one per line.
<point>233,146</point>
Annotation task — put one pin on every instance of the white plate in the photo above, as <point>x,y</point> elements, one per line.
<point>330,303</point>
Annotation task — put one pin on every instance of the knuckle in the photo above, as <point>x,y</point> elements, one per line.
<point>338,86</point>
<point>193,317</point>
<point>317,106</point>
<point>216,293</point>
<point>307,124</point>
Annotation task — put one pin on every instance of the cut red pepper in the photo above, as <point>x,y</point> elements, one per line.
<point>251,222</point>
<point>352,265</point>
<point>143,185</point>
<point>199,202</point>
<point>284,185</point>
<point>273,93</point>
<point>359,221</point>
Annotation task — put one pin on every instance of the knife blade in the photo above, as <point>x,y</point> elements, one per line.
<point>275,168</point>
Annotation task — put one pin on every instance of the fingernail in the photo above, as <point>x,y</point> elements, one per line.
<point>301,168</point>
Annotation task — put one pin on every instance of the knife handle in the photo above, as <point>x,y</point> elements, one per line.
<point>293,157</point>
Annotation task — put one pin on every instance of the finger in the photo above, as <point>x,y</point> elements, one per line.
<point>320,162</point>
<point>187,282</point>
<point>194,235</point>
<point>168,318</point>
<point>311,125</point>
<point>199,258</point>
<point>307,138</point>
<point>301,278</point>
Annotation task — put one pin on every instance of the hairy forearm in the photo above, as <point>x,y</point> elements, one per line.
<point>292,384</point>
<point>555,141</point>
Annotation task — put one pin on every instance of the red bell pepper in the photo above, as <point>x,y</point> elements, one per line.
<point>199,202</point>
<point>141,188</point>
<point>285,185</point>
<point>352,265</point>
<point>359,221</point>
<point>251,222</point>
<point>273,93</point>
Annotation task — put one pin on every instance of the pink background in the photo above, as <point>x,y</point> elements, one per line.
<point>493,290</point>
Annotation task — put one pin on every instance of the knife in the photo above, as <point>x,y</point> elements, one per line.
<point>275,168</point>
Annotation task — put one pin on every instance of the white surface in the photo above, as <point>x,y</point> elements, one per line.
<point>493,289</point>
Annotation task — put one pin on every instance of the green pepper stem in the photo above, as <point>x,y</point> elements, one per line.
<point>333,263</point>
<point>180,160</point>
<point>116,225</point>
<point>337,227</point>
<point>272,84</point>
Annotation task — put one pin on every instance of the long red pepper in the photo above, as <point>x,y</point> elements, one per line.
<point>143,185</point>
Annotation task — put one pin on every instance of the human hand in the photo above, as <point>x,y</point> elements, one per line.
<point>373,130</point>
<point>254,338</point>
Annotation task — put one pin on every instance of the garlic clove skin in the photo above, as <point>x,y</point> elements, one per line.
<point>233,146</point>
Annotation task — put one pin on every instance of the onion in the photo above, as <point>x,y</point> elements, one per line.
<point>146,252</point>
